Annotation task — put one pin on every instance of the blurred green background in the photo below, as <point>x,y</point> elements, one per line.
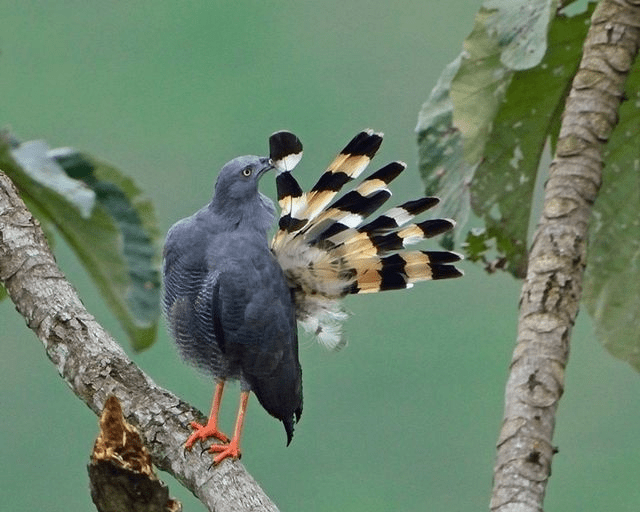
<point>406,417</point>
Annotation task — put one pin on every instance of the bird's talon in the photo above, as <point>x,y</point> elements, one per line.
<point>202,433</point>
<point>230,450</point>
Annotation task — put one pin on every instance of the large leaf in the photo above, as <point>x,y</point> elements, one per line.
<point>484,158</point>
<point>442,165</point>
<point>497,105</point>
<point>611,289</point>
<point>503,186</point>
<point>105,220</point>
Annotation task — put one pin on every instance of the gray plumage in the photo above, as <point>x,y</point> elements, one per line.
<point>226,299</point>
<point>232,300</point>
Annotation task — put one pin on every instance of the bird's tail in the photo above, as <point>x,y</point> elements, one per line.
<point>327,250</point>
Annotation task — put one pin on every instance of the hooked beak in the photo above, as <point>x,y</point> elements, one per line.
<point>267,165</point>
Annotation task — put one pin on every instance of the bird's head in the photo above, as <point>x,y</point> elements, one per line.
<point>238,179</point>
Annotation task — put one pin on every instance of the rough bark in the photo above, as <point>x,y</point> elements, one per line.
<point>95,366</point>
<point>553,286</point>
<point>121,474</point>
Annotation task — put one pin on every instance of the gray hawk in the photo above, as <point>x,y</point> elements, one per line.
<point>233,301</point>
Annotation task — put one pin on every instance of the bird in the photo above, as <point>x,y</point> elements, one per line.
<point>233,299</point>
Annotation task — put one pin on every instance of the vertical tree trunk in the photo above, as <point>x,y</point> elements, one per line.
<point>552,290</point>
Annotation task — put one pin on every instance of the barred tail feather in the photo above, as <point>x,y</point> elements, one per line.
<point>285,151</point>
<point>353,207</point>
<point>327,250</point>
<point>345,167</point>
<point>371,242</point>
<point>400,215</point>
<point>402,270</point>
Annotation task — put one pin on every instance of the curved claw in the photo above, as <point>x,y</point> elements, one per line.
<point>231,450</point>
<point>203,432</point>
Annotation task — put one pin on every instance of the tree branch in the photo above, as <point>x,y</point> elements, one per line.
<point>95,366</point>
<point>551,293</point>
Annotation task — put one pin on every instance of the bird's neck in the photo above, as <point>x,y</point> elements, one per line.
<point>254,214</point>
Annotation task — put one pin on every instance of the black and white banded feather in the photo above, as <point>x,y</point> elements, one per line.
<point>326,249</point>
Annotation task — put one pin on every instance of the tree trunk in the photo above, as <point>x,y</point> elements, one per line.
<point>552,289</point>
<point>95,366</point>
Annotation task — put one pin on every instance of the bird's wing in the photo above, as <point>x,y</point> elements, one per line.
<point>327,251</point>
<point>256,313</point>
<point>257,316</point>
<point>189,305</point>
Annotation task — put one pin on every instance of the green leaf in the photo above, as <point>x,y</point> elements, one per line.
<point>521,28</point>
<point>440,152</point>
<point>507,36</point>
<point>455,122</point>
<point>487,246</point>
<point>503,185</point>
<point>611,290</point>
<point>483,130</point>
<point>483,154</point>
<point>104,219</point>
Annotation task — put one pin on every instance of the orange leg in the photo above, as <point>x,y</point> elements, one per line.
<point>233,448</point>
<point>211,428</point>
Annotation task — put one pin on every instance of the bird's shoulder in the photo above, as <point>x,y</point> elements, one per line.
<point>189,237</point>
<point>205,242</point>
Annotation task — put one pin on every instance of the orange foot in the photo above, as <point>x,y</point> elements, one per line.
<point>232,450</point>
<point>203,432</point>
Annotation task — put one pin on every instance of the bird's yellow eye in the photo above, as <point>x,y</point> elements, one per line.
<point>247,171</point>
